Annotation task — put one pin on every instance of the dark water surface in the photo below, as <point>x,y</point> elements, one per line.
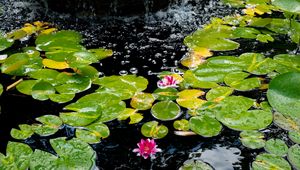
<point>142,45</point>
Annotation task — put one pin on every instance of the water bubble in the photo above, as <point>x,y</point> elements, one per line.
<point>133,70</point>
<point>123,72</point>
<point>30,52</point>
<point>164,60</point>
<point>154,62</point>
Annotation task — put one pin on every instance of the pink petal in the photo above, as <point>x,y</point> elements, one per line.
<point>136,150</point>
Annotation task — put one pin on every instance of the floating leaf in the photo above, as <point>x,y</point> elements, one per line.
<point>294,156</point>
<point>265,38</point>
<point>276,147</point>
<point>165,110</point>
<point>41,90</point>
<point>189,98</point>
<point>93,133</point>
<point>285,122</point>
<point>50,125</point>
<point>284,94</point>
<point>192,80</point>
<point>219,93</point>
<point>17,156</point>
<point>59,65</point>
<point>238,81</point>
<point>5,43</point>
<point>288,5</point>
<point>1,89</point>
<point>81,59</point>
<point>88,71</point>
<point>182,124</point>
<point>24,132</point>
<point>195,165</point>
<point>245,32</point>
<point>205,126</point>
<point>26,86</point>
<point>287,63</point>
<point>72,154</point>
<point>101,53</point>
<point>47,75</point>
<point>294,136</point>
<point>142,101</point>
<point>256,63</point>
<point>61,98</point>
<point>80,118</point>
<point>14,64</point>
<point>152,129</point>
<point>72,83</point>
<point>132,114</point>
<point>166,94</point>
<point>269,161</point>
<point>252,139</point>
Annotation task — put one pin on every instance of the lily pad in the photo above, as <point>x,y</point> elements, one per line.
<point>294,136</point>
<point>288,5</point>
<point>61,98</point>
<point>1,89</point>
<point>256,63</point>
<point>5,43</point>
<point>132,114</point>
<point>152,129</point>
<point>47,75</point>
<point>182,124</point>
<point>165,110</point>
<point>101,53</point>
<point>294,156</point>
<point>142,101</point>
<point>41,90</point>
<point>14,64</point>
<point>285,122</point>
<point>197,82</point>
<point>72,83</point>
<point>252,139</point>
<point>284,94</point>
<point>238,81</point>
<point>287,63</point>
<point>17,156</point>
<point>205,126</point>
<point>195,165</point>
<point>219,93</point>
<point>24,132</point>
<point>93,133</point>
<point>269,161</point>
<point>26,86</point>
<point>166,94</point>
<point>189,98</point>
<point>72,154</point>
<point>50,125</point>
<point>276,147</point>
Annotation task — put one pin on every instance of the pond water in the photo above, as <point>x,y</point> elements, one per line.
<point>142,45</point>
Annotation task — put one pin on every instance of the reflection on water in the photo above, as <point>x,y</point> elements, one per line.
<point>220,157</point>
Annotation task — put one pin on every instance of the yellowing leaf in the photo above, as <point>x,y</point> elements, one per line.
<point>189,98</point>
<point>55,64</point>
<point>202,52</point>
<point>192,61</point>
<point>252,11</point>
<point>48,31</point>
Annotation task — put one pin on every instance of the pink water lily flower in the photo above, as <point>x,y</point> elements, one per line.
<point>167,81</point>
<point>147,148</point>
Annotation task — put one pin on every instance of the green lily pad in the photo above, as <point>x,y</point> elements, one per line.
<point>197,82</point>
<point>24,132</point>
<point>294,136</point>
<point>294,156</point>
<point>269,161</point>
<point>165,110</point>
<point>5,43</point>
<point>219,93</point>
<point>152,129</point>
<point>132,114</point>
<point>245,32</point>
<point>284,94</point>
<point>288,5</point>
<point>61,98</point>
<point>111,111</point>
<point>287,63</point>
<point>81,59</point>
<point>189,98</point>
<point>72,154</point>
<point>88,71</point>
<point>195,165</point>
<point>14,64</point>
<point>72,83</point>
<point>165,94</point>
<point>256,63</point>
<point>238,81</point>
<point>47,75</point>
<point>286,122</point>
<point>50,125</point>
<point>128,84</point>
<point>101,53</point>
<point>142,101</point>
<point>93,133</point>
<point>276,147</point>
<point>17,156</point>
<point>1,89</point>
<point>182,124</point>
<point>252,139</point>
<point>26,86</point>
<point>41,90</point>
<point>205,126</point>
<point>78,119</point>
